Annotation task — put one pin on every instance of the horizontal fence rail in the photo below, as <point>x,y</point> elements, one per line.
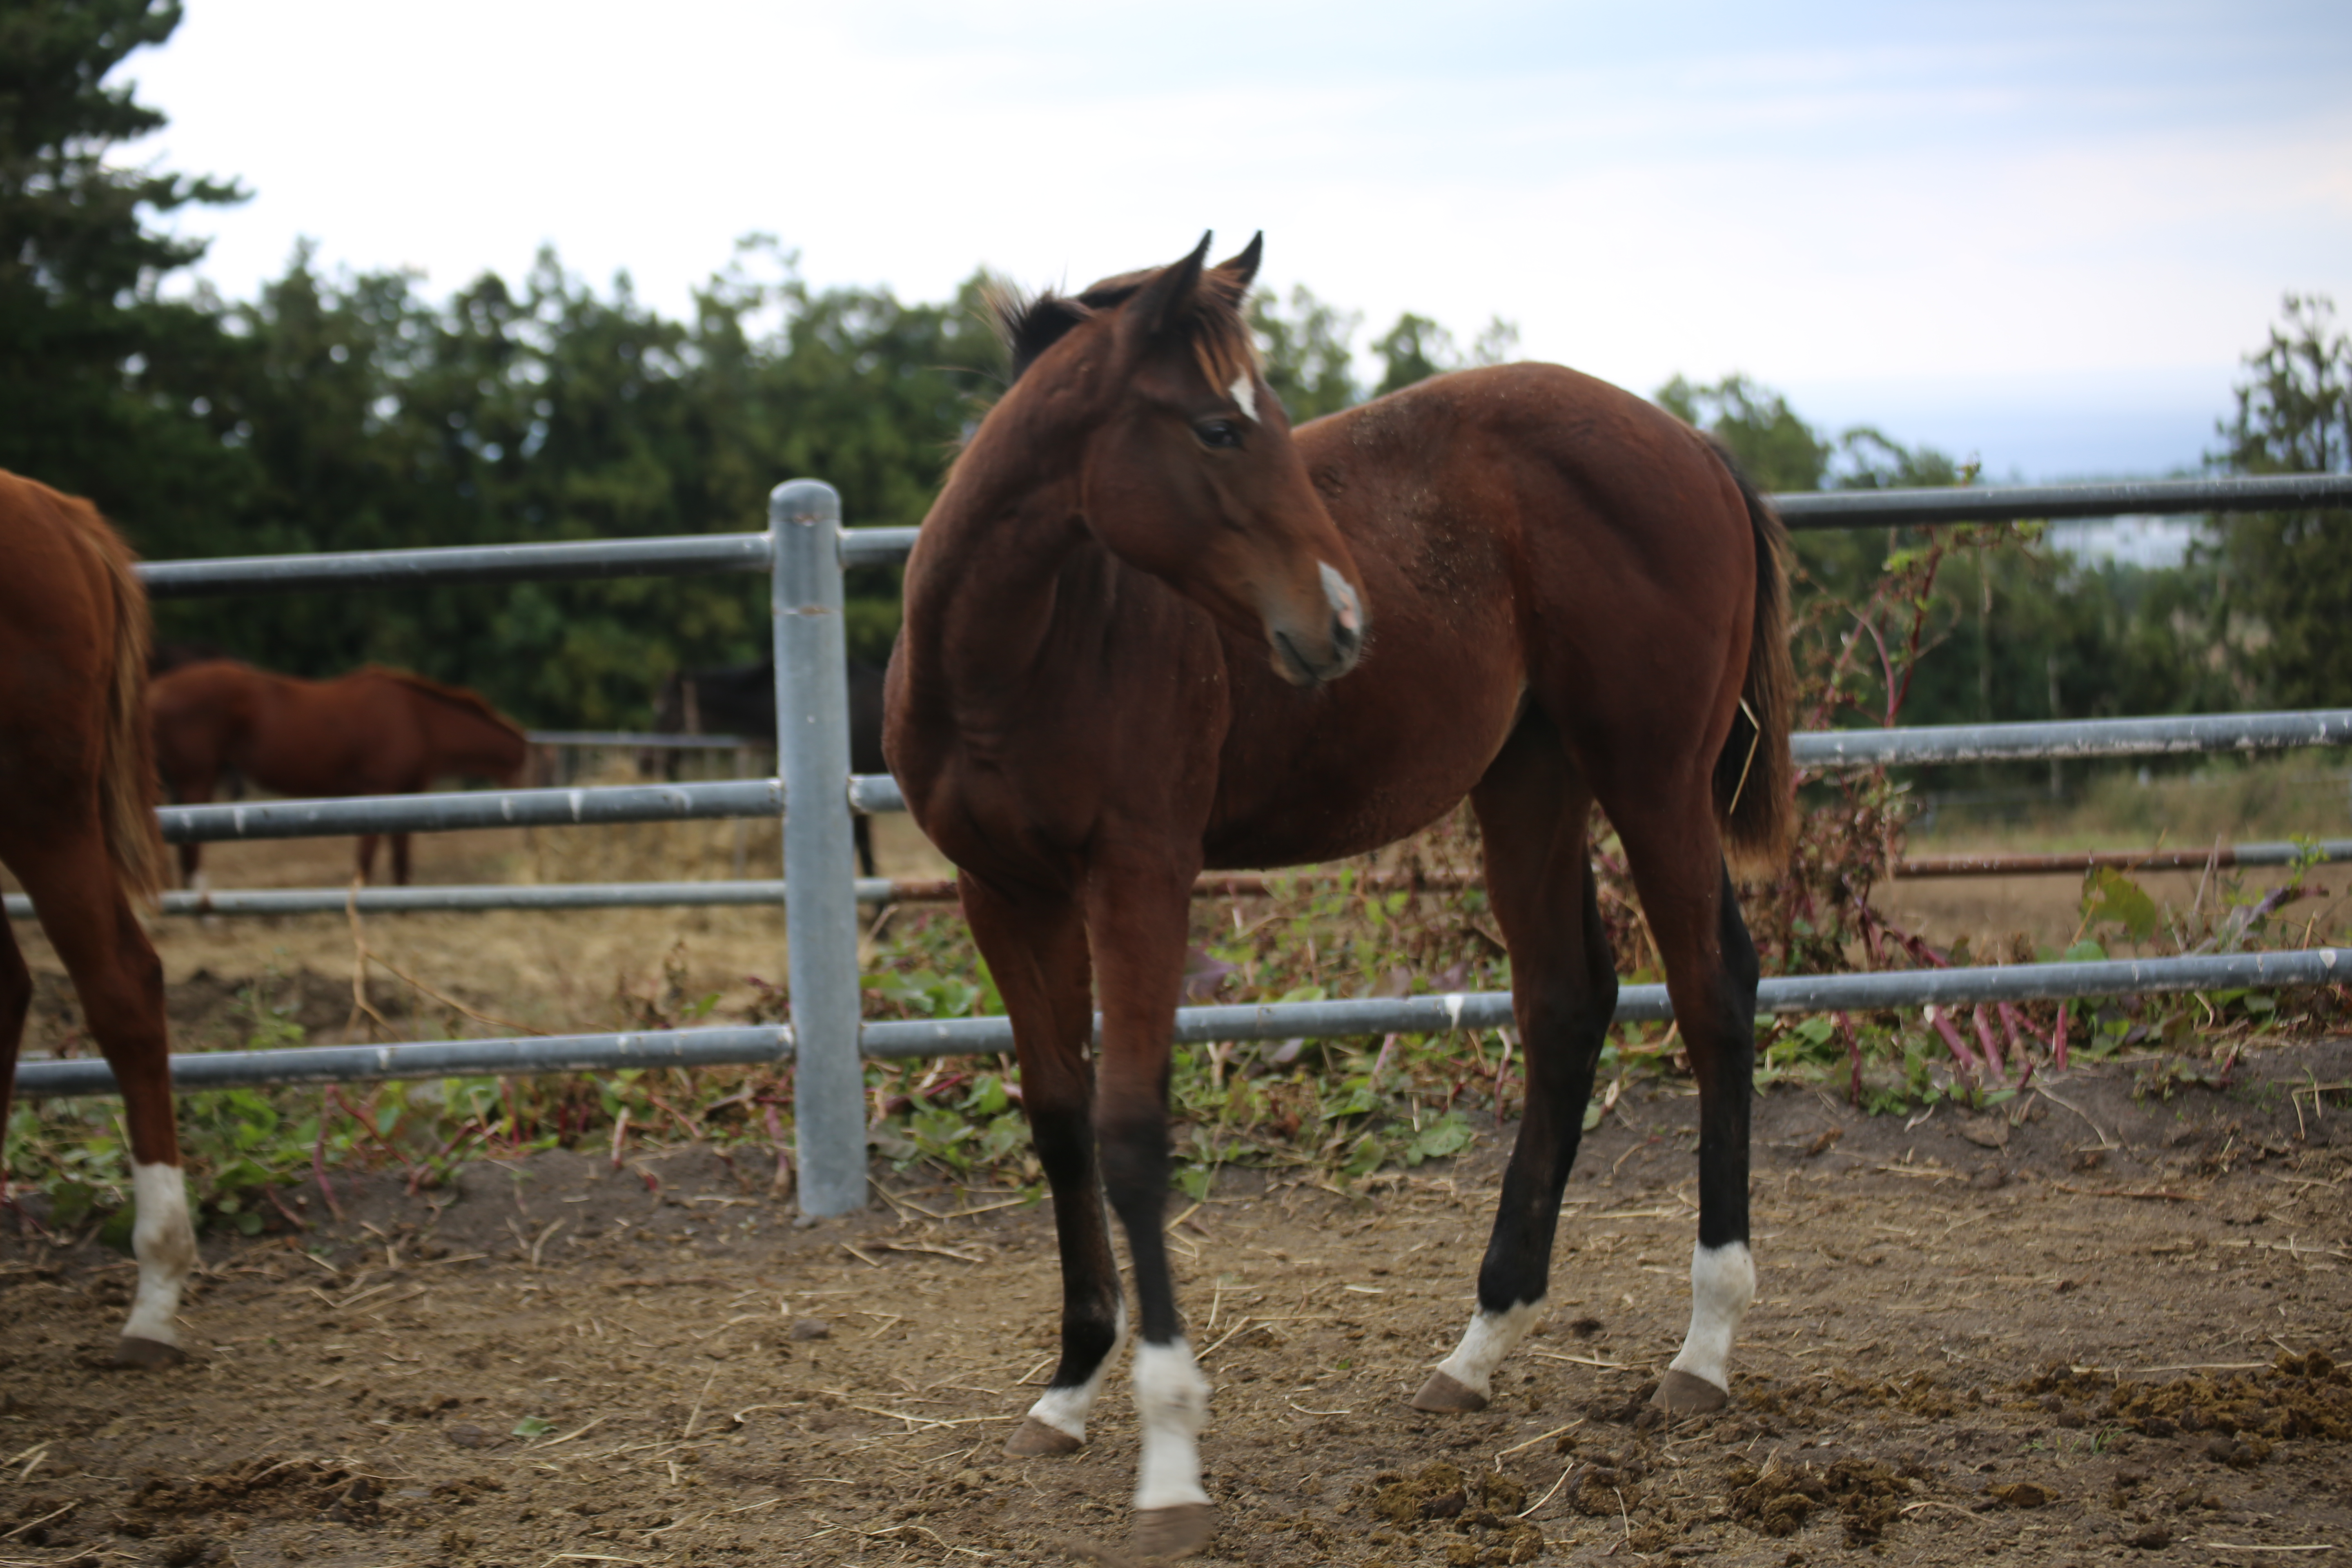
<point>632,740</point>
<point>696,553</point>
<point>875,792</point>
<point>2021,503</point>
<point>1432,1015</point>
<point>2070,739</point>
<point>686,555</point>
<point>769,893</point>
<point>460,810</point>
<point>2328,850</point>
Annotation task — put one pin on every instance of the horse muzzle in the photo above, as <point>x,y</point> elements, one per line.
<point>1308,657</point>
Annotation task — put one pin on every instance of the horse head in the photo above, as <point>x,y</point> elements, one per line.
<point>1186,467</point>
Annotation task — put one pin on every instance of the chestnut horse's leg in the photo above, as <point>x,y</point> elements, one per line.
<point>367,855</point>
<point>400,860</point>
<point>1036,950</point>
<point>1138,909</point>
<point>121,983</point>
<point>1671,847</point>
<point>1533,816</point>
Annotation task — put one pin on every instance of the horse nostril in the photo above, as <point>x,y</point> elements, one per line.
<point>1344,635</point>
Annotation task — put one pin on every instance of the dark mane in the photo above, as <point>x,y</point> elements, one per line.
<point>455,696</point>
<point>1222,342</point>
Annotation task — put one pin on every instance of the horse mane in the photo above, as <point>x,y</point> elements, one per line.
<point>456,697</point>
<point>1222,342</point>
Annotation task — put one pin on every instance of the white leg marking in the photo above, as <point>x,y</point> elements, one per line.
<point>1171,1402</point>
<point>1723,1282</point>
<point>1490,1337</point>
<point>166,1244</point>
<point>1245,394</point>
<point>1065,1409</point>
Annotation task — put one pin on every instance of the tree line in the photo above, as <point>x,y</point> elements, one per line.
<point>354,411</point>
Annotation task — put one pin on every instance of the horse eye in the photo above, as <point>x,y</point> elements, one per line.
<point>1218,433</point>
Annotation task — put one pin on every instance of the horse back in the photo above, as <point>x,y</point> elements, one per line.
<point>1525,533</point>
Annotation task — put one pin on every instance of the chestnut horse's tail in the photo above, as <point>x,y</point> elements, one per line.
<point>127,766</point>
<point>1755,790</point>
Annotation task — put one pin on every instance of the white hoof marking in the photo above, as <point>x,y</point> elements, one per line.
<point>1066,1409</point>
<point>1490,1337</point>
<point>165,1245</point>
<point>1172,1403</point>
<point>1723,1282</point>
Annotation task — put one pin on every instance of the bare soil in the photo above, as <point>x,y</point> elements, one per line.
<point>2098,1330</point>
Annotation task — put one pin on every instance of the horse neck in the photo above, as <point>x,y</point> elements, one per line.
<point>465,741</point>
<point>984,588</point>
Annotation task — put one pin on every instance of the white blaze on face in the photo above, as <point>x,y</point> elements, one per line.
<point>1245,393</point>
<point>1066,1409</point>
<point>166,1244</point>
<point>1172,1403</point>
<point>1490,1337</point>
<point>1723,1282</point>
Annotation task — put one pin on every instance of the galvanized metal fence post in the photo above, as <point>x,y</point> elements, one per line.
<point>820,868</point>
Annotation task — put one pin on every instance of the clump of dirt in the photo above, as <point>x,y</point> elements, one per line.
<point>1778,1498</point>
<point>1483,1508</point>
<point>268,1486</point>
<point>2246,1411</point>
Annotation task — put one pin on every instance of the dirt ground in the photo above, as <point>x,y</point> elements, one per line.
<point>2100,1331</point>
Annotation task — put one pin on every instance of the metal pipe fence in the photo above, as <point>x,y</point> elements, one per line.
<point>769,892</point>
<point>805,552</point>
<point>896,1040</point>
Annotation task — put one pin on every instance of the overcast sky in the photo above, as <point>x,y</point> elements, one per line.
<point>2044,233</point>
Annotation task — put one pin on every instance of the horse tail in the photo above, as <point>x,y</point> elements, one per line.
<point>127,784</point>
<point>1755,789</point>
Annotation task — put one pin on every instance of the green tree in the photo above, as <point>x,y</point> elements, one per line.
<point>2291,572</point>
<point>95,364</point>
<point>1776,450</point>
<point>1307,348</point>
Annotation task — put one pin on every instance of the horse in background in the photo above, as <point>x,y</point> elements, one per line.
<point>78,830</point>
<point>1151,629</point>
<point>373,731</point>
<point>740,699</point>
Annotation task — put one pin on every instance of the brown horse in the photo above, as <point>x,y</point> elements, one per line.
<point>1128,616</point>
<point>77,828</point>
<point>373,731</point>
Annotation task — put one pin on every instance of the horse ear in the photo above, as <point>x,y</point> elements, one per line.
<point>1239,271</point>
<point>1160,306</point>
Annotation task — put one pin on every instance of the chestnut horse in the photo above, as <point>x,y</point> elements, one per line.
<point>1132,618</point>
<point>77,828</point>
<point>373,731</point>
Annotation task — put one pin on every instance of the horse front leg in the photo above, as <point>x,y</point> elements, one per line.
<point>1036,950</point>
<point>1137,917</point>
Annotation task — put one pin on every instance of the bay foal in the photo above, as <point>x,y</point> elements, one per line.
<point>77,828</point>
<point>1131,619</point>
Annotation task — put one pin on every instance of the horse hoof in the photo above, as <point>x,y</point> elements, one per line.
<point>1682,1393</point>
<point>146,1353</point>
<point>1176,1531</point>
<point>1035,1438</point>
<point>1444,1396</point>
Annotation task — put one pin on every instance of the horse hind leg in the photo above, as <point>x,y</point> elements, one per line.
<point>121,983</point>
<point>1533,812</point>
<point>1711,973</point>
